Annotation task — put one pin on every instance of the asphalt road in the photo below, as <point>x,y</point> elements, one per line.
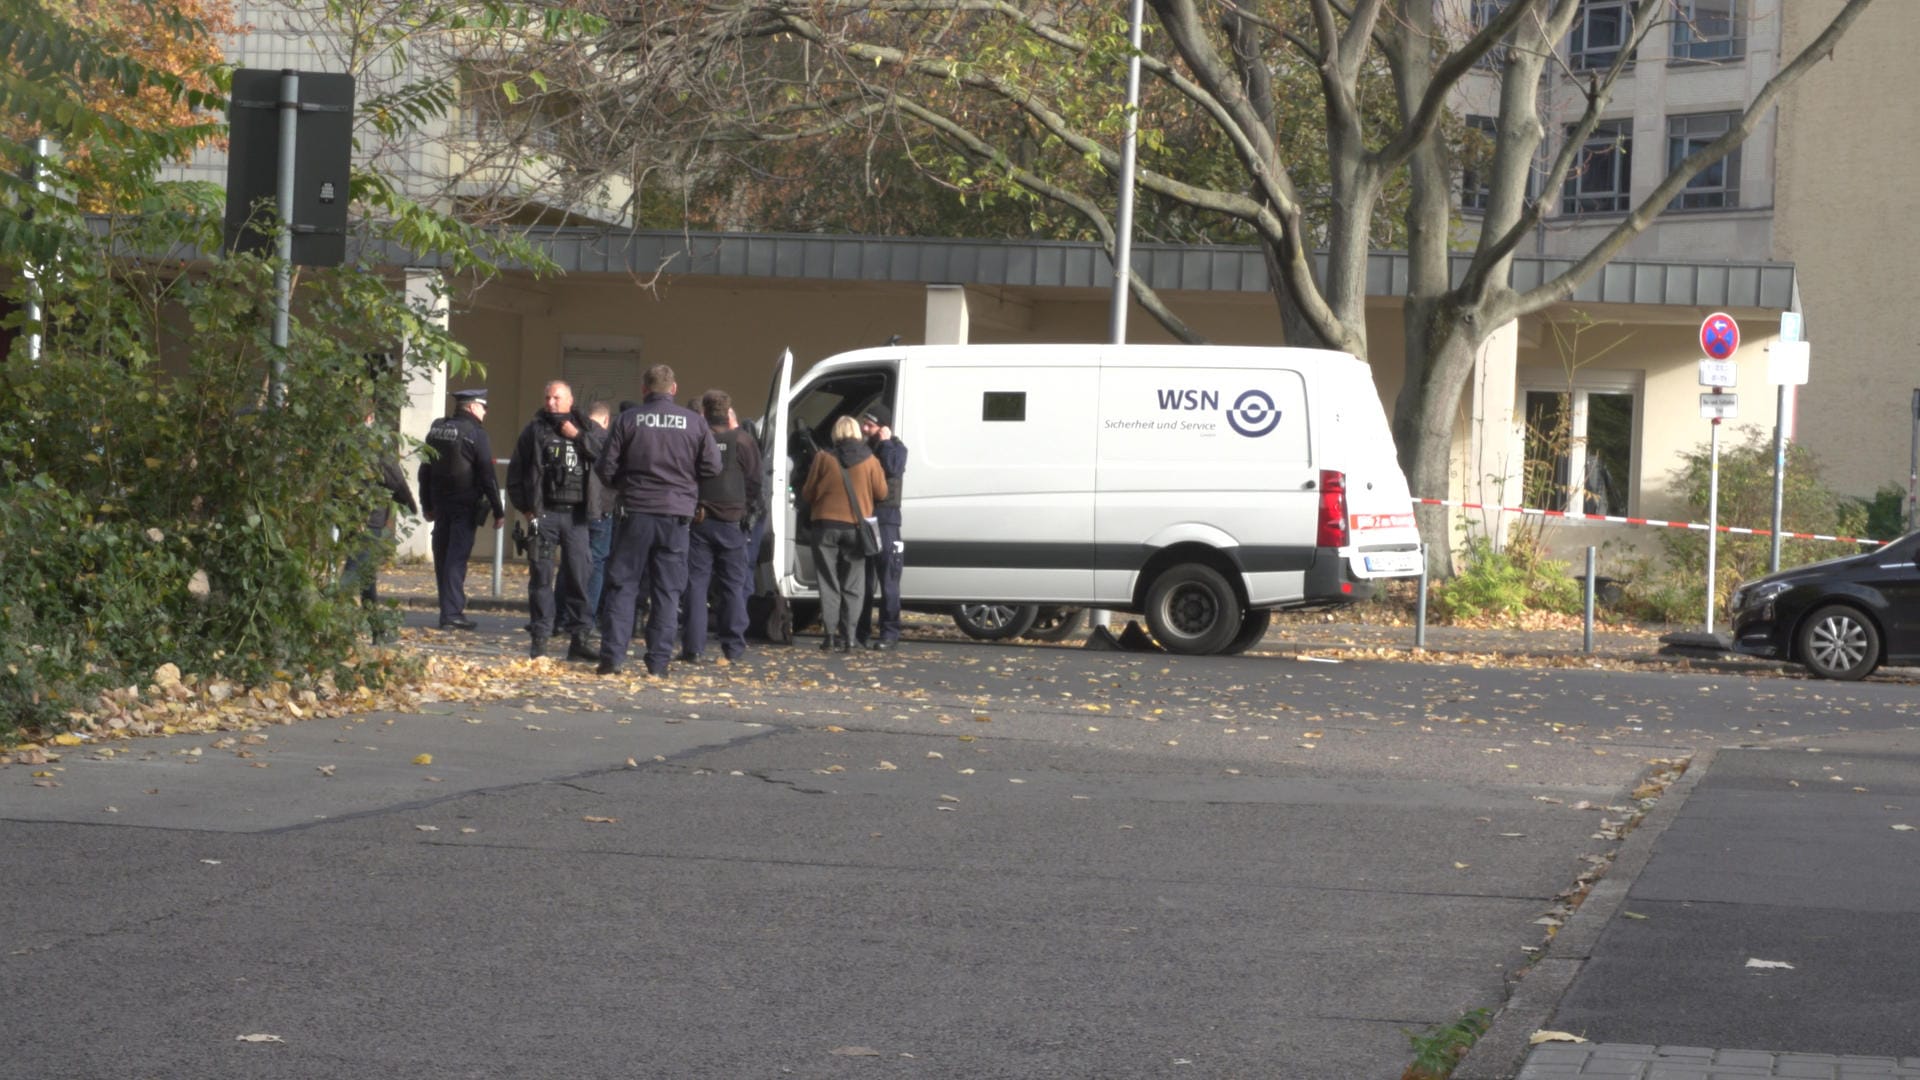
<point>957,860</point>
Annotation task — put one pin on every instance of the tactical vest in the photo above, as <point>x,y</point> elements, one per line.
<point>563,474</point>
<point>452,471</point>
<point>729,488</point>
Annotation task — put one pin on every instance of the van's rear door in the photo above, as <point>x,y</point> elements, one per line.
<point>776,467</point>
<point>1356,440</point>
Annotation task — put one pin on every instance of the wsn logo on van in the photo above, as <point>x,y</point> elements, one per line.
<point>1253,414</point>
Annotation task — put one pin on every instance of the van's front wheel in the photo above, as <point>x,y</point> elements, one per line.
<point>1191,609</point>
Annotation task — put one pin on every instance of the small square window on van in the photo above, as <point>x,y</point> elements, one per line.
<point>1004,405</point>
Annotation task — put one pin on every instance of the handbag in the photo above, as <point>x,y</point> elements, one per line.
<point>867,528</point>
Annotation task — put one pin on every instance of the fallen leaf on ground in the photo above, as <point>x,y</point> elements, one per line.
<point>1539,1037</point>
<point>591,819</point>
<point>260,1038</point>
<point>325,770</point>
<point>1901,828</point>
<point>1781,964</point>
<point>428,828</point>
<point>423,759</point>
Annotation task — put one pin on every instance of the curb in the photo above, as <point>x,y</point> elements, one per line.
<point>1502,1051</point>
<point>512,606</point>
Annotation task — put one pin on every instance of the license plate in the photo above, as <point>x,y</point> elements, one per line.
<point>1394,563</point>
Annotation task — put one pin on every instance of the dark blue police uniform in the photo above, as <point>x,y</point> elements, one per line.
<point>457,489</point>
<point>717,568</point>
<point>656,455</point>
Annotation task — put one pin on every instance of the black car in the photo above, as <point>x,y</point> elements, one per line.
<point>1841,618</point>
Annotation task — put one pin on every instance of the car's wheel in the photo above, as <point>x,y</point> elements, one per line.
<point>1191,609</point>
<point>1838,642</point>
<point>1056,623</point>
<point>994,622</point>
<point>1253,627</point>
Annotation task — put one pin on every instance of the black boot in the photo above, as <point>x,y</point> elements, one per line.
<point>539,647</point>
<point>580,648</point>
<point>826,643</point>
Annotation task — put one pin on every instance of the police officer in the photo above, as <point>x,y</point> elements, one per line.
<point>550,480</point>
<point>717,555</point>
<point>656,455</point>
<point>883,570</point>
<point>456,491</point>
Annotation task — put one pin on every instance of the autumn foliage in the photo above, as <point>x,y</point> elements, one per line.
<point>178,37</point>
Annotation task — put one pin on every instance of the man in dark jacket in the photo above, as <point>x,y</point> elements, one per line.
<point>884,569</point>
<point>550,480</point>
<point>717,555</point>
<point>362,569</point>
<point>656,456</point>
<point>456,491</point>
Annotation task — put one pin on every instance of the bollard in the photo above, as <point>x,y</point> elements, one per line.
<point>499,556</point>
<point>1587,640</point>
<point>1420,605</point>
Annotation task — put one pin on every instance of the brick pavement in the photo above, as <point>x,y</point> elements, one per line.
<point>1616,1061</point>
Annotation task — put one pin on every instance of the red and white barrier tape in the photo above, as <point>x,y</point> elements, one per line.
<point>1702,527</point>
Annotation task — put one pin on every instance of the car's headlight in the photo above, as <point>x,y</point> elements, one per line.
<point>1748,597</point>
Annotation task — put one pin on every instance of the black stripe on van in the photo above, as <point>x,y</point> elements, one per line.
<point>992,554</point>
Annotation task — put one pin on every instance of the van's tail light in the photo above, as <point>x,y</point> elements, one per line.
<point>1333,510</point>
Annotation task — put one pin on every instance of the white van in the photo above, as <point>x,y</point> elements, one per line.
<point>1203,486</point>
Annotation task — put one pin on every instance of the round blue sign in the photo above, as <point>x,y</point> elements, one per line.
<point>1719,335</point>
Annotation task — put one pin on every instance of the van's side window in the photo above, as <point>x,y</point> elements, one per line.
<point>1004,405</point>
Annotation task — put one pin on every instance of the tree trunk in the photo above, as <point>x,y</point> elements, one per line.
<point>1294,324</point>
<point>1440,356</point>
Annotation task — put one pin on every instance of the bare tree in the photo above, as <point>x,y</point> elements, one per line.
<point>1021,91</point>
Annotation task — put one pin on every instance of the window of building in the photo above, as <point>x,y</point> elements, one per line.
<point>1601,180</point>
<point>1484,12</point>
<point>1717,187</point>
<point>1579,445</point>
<point>1477,158</point>
<point>1600,31</point>
<point>1708,30</point>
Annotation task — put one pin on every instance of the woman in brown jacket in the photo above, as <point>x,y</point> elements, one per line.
<point>838,562</point>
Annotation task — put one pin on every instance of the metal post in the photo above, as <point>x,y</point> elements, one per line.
<point>37,175</point>
<point>1420,604</point>
<point>1123,225</point>
<point>1713,516</point>
<point>499,556</point>
<point>1913,470</point>
<point>283,255</point>
<point>1586,641</point>
<point>1779,473</point>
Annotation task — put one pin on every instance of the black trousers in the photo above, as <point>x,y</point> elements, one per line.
<point>452,547</point>
<point>564,549</point>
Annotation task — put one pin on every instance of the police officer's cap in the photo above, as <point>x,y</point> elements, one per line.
<point>470,397</point>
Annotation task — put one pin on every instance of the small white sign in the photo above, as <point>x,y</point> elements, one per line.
<point>1717,373</point>
<point>1719,406</point>
<point>1788,363</point>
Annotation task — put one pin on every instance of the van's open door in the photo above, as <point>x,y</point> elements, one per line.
<point>773,450</point>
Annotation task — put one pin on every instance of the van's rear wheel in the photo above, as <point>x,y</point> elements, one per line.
<point>994,622</point>
<point>1253,627</point>
<point>1191,609</point>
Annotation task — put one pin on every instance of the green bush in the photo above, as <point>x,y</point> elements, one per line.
<point>158,510</point>
<point>1506,581</point>
<point>1746,498</point>
<point>1886,513</point>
